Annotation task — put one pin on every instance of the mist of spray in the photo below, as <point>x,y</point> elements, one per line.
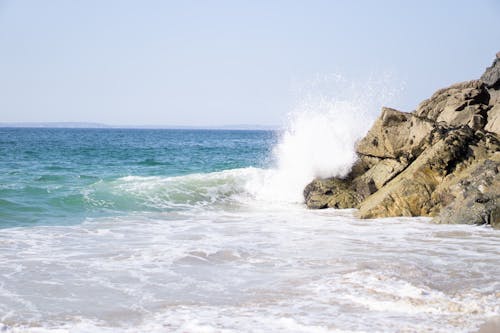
<point>320,135</point>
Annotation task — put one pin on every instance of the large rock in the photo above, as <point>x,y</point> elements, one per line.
<point>441,160</point>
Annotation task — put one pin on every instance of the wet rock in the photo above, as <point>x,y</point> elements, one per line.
<point>330,193</point>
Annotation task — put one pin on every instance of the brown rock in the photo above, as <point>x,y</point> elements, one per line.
<point>457,104</point>
<point>394,135</point>
<point>379,174</point>
<point>409,194</point>
<point>330,193</point>
<point>441,160</point>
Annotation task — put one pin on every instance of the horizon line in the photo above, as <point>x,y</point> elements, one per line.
<point>95,125</point>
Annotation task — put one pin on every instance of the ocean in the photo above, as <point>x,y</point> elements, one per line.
<point>138,230</point>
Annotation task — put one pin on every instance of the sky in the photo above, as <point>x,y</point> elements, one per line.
<point>215,63</point>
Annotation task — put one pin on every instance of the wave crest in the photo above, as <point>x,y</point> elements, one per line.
<point>135,193</point>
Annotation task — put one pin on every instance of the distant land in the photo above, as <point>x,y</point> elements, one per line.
<point>99,125</point>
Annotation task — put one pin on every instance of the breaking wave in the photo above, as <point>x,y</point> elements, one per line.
<point>135,193</point>
<point>318,140</point>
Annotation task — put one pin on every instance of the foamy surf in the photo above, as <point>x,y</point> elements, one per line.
<point>266,269</point>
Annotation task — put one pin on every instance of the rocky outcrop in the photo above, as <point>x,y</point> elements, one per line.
<point>441,160</point>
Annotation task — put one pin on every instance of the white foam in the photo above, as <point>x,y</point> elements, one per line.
<point>259,269</point>
<point>319,142</point>
<point>320,135</point>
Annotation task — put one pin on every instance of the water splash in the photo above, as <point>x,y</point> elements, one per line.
<point>331,115</point>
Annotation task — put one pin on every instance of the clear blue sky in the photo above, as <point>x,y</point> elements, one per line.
<point>226,62</point>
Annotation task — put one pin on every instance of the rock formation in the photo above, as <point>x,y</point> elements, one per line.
<point>441,160</point>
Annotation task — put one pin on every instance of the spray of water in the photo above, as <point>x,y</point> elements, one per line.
<point>319,138</point>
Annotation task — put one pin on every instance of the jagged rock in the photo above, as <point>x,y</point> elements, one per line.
<point>442,160</point>
<point>456,105</point>
<point>330,193</point>
<point>378,175</point>
<point>491,76</point>
<point>409,194</point>
<point>395,135</point>
<point>367,176</point>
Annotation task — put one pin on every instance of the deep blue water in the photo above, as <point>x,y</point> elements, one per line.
<point>63,176</point>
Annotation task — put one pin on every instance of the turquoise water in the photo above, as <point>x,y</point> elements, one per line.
<point>63,176</point>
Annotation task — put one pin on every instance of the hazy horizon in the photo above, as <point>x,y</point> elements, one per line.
<point>92,125</point>
<point>224,63</point>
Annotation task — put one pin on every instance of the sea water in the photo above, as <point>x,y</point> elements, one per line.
<point>128,230</point>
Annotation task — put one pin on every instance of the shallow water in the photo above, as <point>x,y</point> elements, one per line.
<point>137,247</point>
<point>251,269</point>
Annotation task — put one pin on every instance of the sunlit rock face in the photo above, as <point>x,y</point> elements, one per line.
<point>441,160</point>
